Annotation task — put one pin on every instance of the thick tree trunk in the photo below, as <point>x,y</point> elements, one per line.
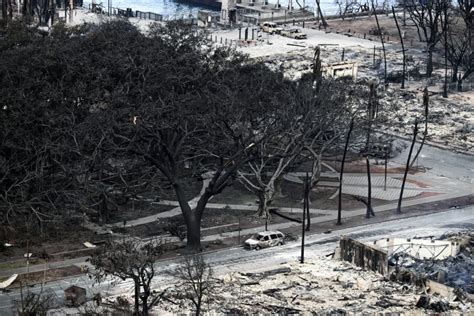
<point>454,75</point>
<point>137,296</point>
<point>265,198</point>
<point>193,231</point>
<point>192,218</point>
<point>459,85</point>
<point>144,298</point>
<point>198,305</point>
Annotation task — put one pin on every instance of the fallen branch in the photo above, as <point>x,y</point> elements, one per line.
<point>274,211</point>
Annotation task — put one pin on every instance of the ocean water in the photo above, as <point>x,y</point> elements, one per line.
<point>181,9</point>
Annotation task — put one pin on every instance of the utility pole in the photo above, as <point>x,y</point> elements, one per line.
<point>266,221</point>
<point>305,208</point>
<point>445,31</point>
<point>239,231</point>
<point>385,149</point>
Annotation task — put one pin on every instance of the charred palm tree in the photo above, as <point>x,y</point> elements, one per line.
<point>403,47</point>
<point>339,208</point>
<point>426,100</point>
<point>415,132</point>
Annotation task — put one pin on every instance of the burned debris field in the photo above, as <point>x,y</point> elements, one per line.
<point>261,159</point>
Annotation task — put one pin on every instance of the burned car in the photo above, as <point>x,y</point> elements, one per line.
<point>293,33</point>
<point>271,27</point>
<point>265,240</point>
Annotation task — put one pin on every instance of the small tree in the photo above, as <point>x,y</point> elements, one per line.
<point>346,7</point>
<point>34,303</point>
<point>130,259</point>
<point>458,40</point>
<point>427,15</point>
<point>196,277</point>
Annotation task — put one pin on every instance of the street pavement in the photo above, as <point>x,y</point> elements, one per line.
<point>449,175</point>
<point>446,182</point>
<point>242,260</point>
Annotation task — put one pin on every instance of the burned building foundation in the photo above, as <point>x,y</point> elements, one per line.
<point>442,266</point>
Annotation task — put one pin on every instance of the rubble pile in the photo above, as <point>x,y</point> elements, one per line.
<point>321,285</point>
<point>297,62</point>
<point>454,271</point>
<point>451,120</point>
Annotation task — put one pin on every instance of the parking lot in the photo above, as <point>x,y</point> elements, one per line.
<point>265,44</point>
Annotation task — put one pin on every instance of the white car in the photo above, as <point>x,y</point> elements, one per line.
<point>293,33</point>
<point>265,239</point>
<point>271,27</point>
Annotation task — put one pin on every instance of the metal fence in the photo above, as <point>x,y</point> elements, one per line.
<point>251,16</point>
<point>149,16</point>
<point>129,13</point>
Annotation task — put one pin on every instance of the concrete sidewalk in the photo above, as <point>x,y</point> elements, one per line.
<point>354,184</point>
<point>327,217</point>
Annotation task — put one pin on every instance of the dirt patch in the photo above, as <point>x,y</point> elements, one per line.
<point>235,194</point>
<point>64,241</point>
<point>191,188</point>
<point>215,221</point>
<point>368,26</point>
<point>217,217</point>
<point>45,276</point>
<point>320,198</point>
<point>137,210</point>
<point>418,183</point>
<point>292,197</point>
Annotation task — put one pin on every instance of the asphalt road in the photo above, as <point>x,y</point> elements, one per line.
<point>238,259</point>
<point>442,163</point>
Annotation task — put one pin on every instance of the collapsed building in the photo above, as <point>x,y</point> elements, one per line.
<point>442,267</point>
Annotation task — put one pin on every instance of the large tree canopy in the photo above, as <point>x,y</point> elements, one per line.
<point>92,116</point>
